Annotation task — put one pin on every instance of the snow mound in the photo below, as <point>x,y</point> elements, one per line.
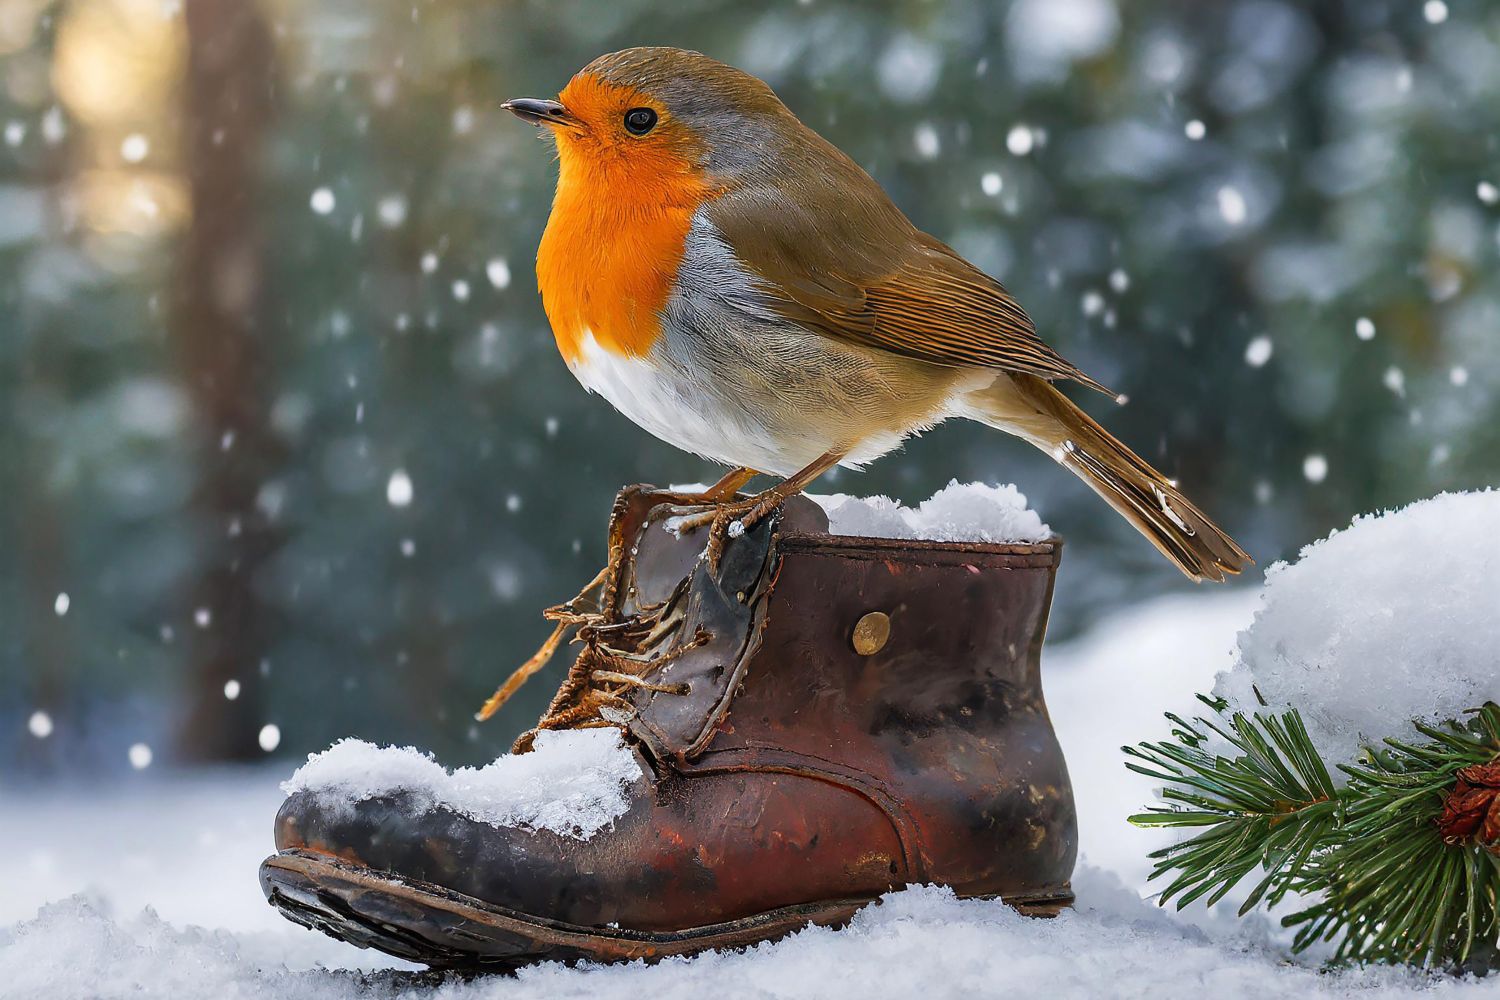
<point>1396,618</point>
<point>572,783</point>
<point>960,512</point>
<point>921,942</point>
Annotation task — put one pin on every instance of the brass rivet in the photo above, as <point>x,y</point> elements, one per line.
<point>871,633</point>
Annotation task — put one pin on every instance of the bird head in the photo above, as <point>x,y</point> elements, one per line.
<point>645,116</point>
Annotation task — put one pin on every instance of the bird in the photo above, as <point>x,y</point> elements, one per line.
<point>736,285</point>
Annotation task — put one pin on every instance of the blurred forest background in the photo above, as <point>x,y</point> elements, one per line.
<point>286,450</point>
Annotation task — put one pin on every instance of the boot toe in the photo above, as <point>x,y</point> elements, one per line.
<point>527,871</point>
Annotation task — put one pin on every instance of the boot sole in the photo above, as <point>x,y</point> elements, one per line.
<point>427,923</point>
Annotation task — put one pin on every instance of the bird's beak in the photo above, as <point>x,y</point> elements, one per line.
<point>540,112</point>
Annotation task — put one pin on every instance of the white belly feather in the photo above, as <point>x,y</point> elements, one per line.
<point>709,412</point>
<point>683,414</point>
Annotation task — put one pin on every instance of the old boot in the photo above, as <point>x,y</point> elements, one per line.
<point>814,721</point>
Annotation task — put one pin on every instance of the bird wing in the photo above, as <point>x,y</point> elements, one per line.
<point>834,254</point>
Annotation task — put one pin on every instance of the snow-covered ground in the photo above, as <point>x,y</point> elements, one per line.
<point>148,890</point>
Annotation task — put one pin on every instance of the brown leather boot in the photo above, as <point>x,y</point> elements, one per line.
<point>819,720</point>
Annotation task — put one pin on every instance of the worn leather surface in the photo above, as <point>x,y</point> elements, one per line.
<point>793,770</point>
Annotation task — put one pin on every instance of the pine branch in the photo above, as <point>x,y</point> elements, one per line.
<point>1387,885</point>
<point>1266,808</point>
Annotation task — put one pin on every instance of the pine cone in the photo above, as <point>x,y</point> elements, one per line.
<point>1471,811</point>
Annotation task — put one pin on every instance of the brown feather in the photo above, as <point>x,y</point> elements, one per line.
<point>1035,410</point>
<point>835,255</point>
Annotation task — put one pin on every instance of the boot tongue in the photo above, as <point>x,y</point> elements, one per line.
<point>661,559</point>
<point>720,610</point>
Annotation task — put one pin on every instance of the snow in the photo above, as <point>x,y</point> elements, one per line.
<point>1232,205</point>
<point>39,725</point>
<point>926,140</point>
<point>398,489</point>
<point>1019,140</point>
<point>187,845</point>
<point>1315,468</point>
<point>959,512</point>
<point>922,942</point>
<point>135,148</point>
<point>1110,687</point>
<point>498,271</point>
<point>573,783</point>
<point>1395,618</point>
<point>1259,351</point>
<point>391,210</point>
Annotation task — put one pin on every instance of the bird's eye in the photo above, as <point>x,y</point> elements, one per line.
<point>639,121</point>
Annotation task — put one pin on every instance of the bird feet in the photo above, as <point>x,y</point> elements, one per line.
<point>728,519</point>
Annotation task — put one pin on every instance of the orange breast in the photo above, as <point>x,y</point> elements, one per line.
<point>613,244</point>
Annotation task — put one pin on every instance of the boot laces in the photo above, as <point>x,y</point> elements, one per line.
<point>618,655</point>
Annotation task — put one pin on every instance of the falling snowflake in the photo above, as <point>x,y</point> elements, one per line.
<point>135,148</point>
<point>39,725</point>
<point>1394,379</point>
<point>925,138</point>
<point>391,210</point>
<point>498,271</point>
<point>1315,468</point>
<point>1231,205</point>
<point>1258,351</point>
<point>398,489</point>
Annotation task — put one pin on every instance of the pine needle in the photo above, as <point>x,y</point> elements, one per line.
<point>1385,887</point>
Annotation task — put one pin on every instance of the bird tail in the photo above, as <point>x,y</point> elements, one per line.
<point>1035,410</point>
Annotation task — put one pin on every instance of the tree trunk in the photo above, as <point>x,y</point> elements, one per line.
<point>217,337</point>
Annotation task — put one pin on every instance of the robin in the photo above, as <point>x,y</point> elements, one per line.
<point>737,286</point>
